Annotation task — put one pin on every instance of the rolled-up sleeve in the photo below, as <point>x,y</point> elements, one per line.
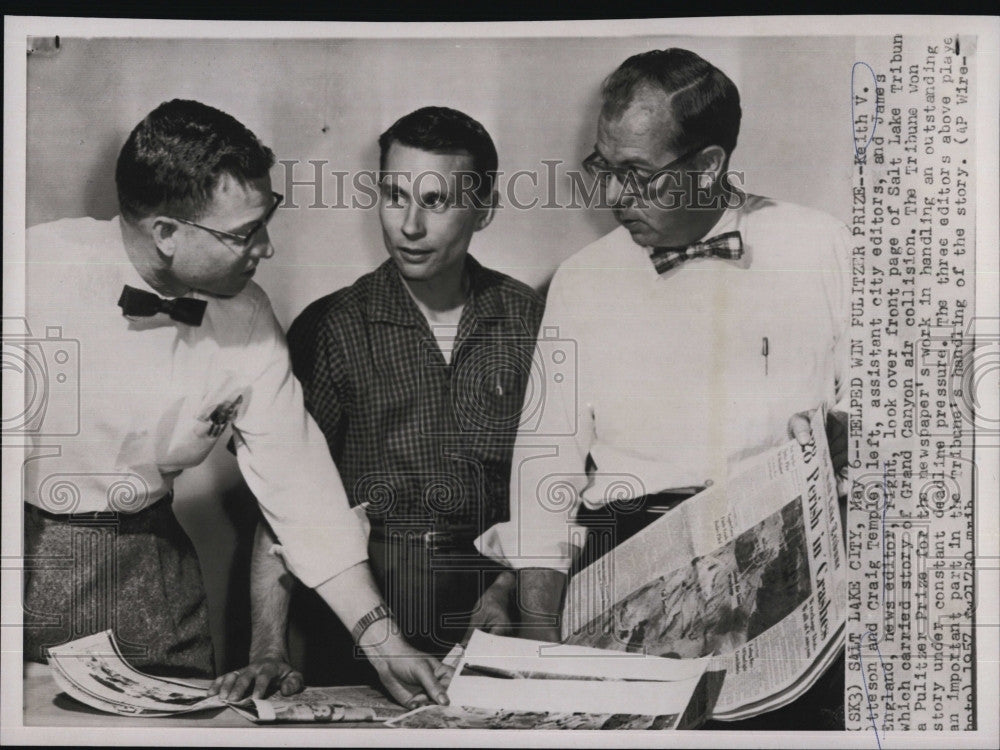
<point>285,461</point>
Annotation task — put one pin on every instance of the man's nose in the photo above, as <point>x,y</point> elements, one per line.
<point>413,225</point>
<point>617,194</point>
<point>261,247</point>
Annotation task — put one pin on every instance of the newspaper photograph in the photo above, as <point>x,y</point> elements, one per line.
<point>362,378</point>
<point>93,671</point>
<point>505,683</point>
<point>464,717</point>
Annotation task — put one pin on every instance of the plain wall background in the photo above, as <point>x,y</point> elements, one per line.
<point>329,100</point>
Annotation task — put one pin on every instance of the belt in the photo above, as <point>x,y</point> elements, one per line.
<point>652,504</point>
<point>451,537</point>
<point>97,515</point>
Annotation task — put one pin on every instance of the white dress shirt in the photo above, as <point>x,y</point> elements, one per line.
<point>146,390</point>
<point>670,381</point>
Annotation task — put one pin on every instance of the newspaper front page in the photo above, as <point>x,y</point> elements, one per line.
<point>751,571</point>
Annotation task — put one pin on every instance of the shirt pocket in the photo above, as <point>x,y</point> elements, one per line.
<point>490,386</point>
<point>198,424</point>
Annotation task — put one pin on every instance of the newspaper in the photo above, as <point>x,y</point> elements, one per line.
<point>749,573</point>
<point>516,683</point>
<point>93,671</point>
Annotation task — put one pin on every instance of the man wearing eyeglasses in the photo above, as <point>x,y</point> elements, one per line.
<point>176,343</point>
<point>706,327</point>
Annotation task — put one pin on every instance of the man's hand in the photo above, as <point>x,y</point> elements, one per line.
<point>443,674</point>
<point>409,675</point>
<point>836,435</point>
<point>492,610</point>
<point>261,674</point>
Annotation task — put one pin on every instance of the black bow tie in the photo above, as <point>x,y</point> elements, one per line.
<point>140,304</point>
<point>728,245</point>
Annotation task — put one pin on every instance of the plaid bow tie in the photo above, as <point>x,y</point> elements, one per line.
<point>138,303</point>
<point>728,245</point>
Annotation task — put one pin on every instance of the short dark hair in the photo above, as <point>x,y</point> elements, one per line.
<point>704,102</point>
<point>445,131</point>
<point>173,159</point>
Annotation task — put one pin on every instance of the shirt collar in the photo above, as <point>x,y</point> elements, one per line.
<point>389,302</point>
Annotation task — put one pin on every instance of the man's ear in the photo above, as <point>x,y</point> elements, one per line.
<point>712,161</point>
<point>487,211</point>
<point>164,231</point>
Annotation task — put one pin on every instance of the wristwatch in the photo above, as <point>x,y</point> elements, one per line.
<point>378,613</point>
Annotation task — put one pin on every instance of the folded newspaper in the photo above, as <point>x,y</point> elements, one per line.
<point>749,574</point>
<point>515,683</point>
<point>93,671</point>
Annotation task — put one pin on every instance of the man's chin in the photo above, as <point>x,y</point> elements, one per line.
<point>228,291</point>
<point>641,233</point>
<point>412,272</point>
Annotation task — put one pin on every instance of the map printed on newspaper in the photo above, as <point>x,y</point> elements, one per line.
<point>749,573</point>
<point>516,683</point>
<point>93,671</point>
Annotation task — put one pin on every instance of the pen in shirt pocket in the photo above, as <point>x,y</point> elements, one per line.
<point>765,350</point>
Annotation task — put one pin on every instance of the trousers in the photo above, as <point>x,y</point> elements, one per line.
<point>136,574</point>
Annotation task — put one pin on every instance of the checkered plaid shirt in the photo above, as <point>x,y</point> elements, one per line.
<point>422,441</point>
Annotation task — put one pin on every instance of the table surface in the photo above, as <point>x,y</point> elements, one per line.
<point>45,705</point>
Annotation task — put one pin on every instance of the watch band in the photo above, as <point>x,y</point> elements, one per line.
<point>378,613</point>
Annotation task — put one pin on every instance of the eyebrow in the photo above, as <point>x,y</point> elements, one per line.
<point>432,195</point>
<point>385,184</point>
<point>642,164</point>
<point>250,225</point>
<point>389,187</point>
<point>246,227</point>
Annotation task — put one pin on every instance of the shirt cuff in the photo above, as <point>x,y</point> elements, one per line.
<point>519,550</point>
<point>315,554</point>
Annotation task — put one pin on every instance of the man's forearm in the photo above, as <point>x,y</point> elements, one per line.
<point>270,593</point>
<point>540,597</point>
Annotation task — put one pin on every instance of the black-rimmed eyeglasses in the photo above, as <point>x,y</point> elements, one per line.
<point>629,177</point>
<point>242,241</point>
